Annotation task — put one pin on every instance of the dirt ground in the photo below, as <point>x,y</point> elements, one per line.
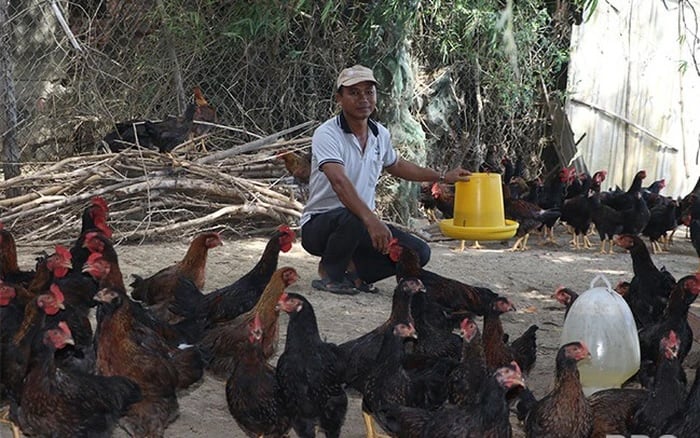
<point>527,278</point>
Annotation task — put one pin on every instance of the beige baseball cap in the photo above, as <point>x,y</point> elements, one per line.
<point>354,75</point>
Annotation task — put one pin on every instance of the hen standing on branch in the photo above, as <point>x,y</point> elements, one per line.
<point>339,224</point>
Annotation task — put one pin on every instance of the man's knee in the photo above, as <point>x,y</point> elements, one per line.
<point>423,254</point>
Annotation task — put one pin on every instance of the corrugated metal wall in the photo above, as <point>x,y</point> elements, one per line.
<point>630,95</point>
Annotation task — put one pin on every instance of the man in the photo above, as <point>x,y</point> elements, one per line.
<point>349,152</point>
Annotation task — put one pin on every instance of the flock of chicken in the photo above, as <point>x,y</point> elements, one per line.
<point>579,202</point>
<point>62,378</point>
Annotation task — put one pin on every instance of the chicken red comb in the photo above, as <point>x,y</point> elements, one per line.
<point>672,338</point>
<point>466,322</point>
<point>57,293</point>
<point>64,327</point>
<point>257,323</point>
<point>63,252</point>
<point>99,201</point>
<point>92,258</point>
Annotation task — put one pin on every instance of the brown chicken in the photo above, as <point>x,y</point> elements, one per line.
<point>297,164</point>
<point>125,347</point>
<point>252,391</point>
<point>614,409</point>
<point>228,302</point>
<point>94,219</point>
<point>9,267</point>
<point>466,379</point>
<point>203,112</point>
<point>158,291</point>
<point>63,402</point>
<point>565,411</point>
<point>449,293</point>
<point>565,297</point>
<point>225,340</point>
<point>529,216</point>
<point>498,353</point>
<point>437,196</point>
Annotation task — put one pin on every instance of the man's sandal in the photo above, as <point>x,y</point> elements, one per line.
<point>342,288</point>
<point>353,278</point>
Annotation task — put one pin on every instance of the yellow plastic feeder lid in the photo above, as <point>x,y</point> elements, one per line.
<point>478,210</point>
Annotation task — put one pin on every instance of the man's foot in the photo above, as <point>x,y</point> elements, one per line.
<point>334,287</point>
<point>360,284</point>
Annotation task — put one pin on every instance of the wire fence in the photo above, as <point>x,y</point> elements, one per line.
<point>80,67</point>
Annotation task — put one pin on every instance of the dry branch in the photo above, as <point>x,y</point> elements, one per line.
<point>151,194</point>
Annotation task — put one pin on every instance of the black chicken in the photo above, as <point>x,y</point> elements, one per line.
<point>487,418</point>
<point>650,287</point>
<point>448,292</point>
<point>529,216</point>
<point>361,352</point>
<point>60,402</point>
<point>687,421</point>
<point>666,397</point>
<point>252,392</point>
<point>310,373</point>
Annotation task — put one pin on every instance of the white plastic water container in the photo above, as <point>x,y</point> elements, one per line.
<point>601,318</point>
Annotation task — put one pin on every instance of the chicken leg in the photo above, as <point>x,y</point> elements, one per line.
<point>5,418</point>
<point>369,425</point>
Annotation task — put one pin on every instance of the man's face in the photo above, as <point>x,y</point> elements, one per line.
<point>358,101</point>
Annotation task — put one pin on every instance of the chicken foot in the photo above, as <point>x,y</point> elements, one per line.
<point>369,426</point>
<point>5,418</point>
<point>521,243</point>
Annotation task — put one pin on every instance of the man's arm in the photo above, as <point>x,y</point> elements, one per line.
<point>343,187</point>
<point>412,172</point>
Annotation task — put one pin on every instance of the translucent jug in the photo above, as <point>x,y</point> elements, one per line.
<point>601,318</point>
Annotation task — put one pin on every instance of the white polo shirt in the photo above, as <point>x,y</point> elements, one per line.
<point>334,142</point>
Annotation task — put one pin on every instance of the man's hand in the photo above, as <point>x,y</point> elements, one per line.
<point>457,174</point>
<point>379,233</point>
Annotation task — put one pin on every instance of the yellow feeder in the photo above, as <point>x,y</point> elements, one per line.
<point>478,210</point>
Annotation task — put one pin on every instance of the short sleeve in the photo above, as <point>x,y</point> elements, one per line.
<point>389,155</point>
<point>325,147</point>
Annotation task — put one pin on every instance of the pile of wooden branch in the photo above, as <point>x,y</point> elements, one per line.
<point>153,196</point>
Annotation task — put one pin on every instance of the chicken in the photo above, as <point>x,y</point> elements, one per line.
<point>552,196</point>
<point>691,219</point>
<point>310,373</point>
<point>529,216</point>
<point>434,329</point>
<point>614,409</point>
<point>565,297</point>
<point>523,350</point>
<point>104,267</point>
<point>577,210</point>
<point>93,220</point>
<point>62,403</point>
<point>124,347</point>
<point>388,382</point>
<point>224,340</point>
<point>687,421</point>
<point>662,219</point>
<point>488,418</point>
<point>228,302</point>
<point>564,412</point>
<point>203,112</point>
<point>437,196</point>
<point>361,352</point>
<point>11,312</point>
<point>675,317</point>
<point>252,393</point>
<point>9,268</point>
<point>650,287</point>
<point>297,164</point>
<point>163,135</point>
<point>158,290</point>
<point>466,378</point>
<point>449,293</point>
<point>667,395</point>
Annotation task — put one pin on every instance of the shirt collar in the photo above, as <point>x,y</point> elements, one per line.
<point>346,128</point>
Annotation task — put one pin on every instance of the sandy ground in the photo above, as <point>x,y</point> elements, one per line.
<point>527,278</point>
